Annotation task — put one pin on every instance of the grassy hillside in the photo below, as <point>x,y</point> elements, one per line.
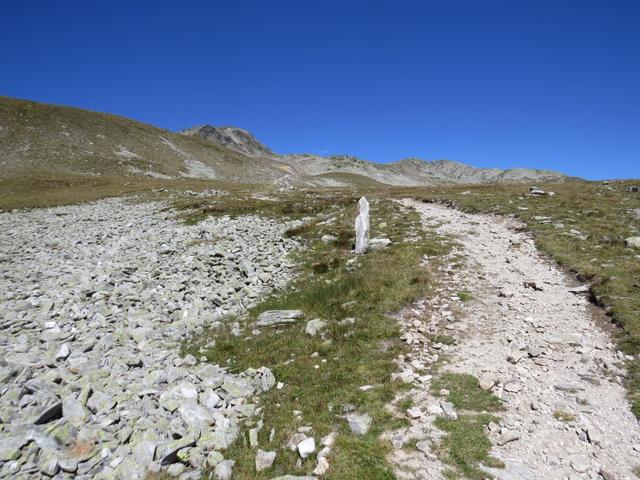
<point>39,140</point>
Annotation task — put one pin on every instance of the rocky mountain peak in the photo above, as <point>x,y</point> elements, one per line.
<point>234,138</point>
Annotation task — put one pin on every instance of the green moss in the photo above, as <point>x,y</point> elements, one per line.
<point>465,394</point>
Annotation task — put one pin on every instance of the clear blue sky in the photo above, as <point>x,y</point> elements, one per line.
<point>546,84</point>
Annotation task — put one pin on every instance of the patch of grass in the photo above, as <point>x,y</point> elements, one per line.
<point>564,416</point>
<point>405,404</point>
<point>348,355</point>
<point>493,462</point>
<point>465,394</point>
<point>443,339</point>
<point>465,296</point>
<point>466,444</point>
<point>52,190</point>
<point>291,205</point>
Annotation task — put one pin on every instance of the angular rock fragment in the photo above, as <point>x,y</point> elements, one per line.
<point>359,423</point>
<point>278,317</point>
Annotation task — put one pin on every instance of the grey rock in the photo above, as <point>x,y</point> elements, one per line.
<point>266,379</point>
<point>448,410</point>
<point>63,352</point>
<point>513,386</point>
<point>264,460</point>
<point>607,475</point>
<point>111,331</point>
<point>49,464</point>
<point>359,423</point>
<point>237,387</point>
<point>144,452</point>
<point>486,383</point>
<point>633,242</point>
<point>214,458</point>
<point>224,470</point>
<point>378,243</point>
<point>10,447</point>
<point>209,398</point>
<point>507,437</point>
<point>73,410</point>
<point>565,339</point>
<point>314,326</point>
<point>176,469</point>
<point>580,290</point>
<point>329,239</point>
<point>306,447</point>
<point>580,463</point>
<point>195,415</point>
<point>100,402</point>
<point>278,317</point>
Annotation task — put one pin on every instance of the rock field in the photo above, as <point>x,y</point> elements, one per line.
<point>532,339</point>
<point>95,301</point>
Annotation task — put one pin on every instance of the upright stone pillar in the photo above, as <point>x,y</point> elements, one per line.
<point>362,226</point>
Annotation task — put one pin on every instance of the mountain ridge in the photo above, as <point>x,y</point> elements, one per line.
<point>38,139</point>
<point>410,171</point>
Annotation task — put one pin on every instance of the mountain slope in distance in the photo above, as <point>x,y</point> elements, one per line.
<point>38,139</point>
<point>234,138</point>
<point>407,172</point>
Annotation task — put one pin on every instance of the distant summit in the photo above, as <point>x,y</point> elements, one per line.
<point>234,138</point>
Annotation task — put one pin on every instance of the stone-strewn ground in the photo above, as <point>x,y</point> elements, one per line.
<point>533,343</point>
<point>94,302</point>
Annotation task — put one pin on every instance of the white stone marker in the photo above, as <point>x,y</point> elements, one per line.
<point>362,226</point>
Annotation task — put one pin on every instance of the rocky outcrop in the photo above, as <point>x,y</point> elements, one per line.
<point>233,138</point>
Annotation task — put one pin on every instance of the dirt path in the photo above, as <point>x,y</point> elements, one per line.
<point>556,370</point>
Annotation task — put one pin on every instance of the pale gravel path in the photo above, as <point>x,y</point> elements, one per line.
<point>580,377</point>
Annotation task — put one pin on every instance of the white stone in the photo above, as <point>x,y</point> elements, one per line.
<point>362,226</point>
<point>359,423</point>
<point>314,326</point>
<point>306,447</point>
<point>322,467</point>
<point>264,460</point>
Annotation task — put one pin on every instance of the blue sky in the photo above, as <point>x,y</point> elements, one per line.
<point>544,84</point>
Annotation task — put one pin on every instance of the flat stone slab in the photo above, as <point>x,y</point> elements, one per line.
<point>278,317</point>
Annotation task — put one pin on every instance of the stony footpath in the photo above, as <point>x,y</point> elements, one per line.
<point>531,337</point>
<point>95,301</point>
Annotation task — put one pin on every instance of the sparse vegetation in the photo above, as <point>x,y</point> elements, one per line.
<point>582,227</point>
<point>466,445</point>
<point>323,375</point>
<point>564,416</point>
<point>443,339</point>
<point>465,296</point>
<point>465,394</point>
